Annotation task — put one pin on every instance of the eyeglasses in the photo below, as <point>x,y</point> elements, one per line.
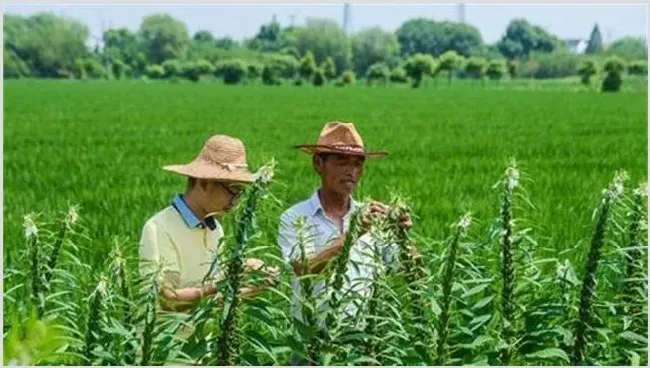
<point>234,190</point>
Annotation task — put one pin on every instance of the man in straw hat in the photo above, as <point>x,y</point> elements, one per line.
<point>184,236</point>
<point>338,157</point>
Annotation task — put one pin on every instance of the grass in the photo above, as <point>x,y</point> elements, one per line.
<point>101,145</point>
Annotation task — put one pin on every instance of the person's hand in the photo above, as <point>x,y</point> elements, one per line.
<point>379,209</point>
<point>253,264</point>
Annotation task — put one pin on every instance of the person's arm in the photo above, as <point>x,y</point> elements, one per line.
<point>319,262</point>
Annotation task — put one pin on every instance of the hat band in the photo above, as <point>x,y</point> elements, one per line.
<point>345,148</point>
<point>226,165</point>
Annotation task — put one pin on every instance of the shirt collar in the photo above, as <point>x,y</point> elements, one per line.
<point>188,215</point>
<point>316,204</point>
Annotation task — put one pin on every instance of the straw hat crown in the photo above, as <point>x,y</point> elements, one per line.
<point>339,137</point>
<point>221,158</point>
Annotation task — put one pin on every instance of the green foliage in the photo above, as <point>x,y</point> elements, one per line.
<point>270,76</point>
<point>329,68</point>
<point>155,71</point>
<point>419,66</point>
<point>173,68</point>
<point>46,43</point>
<point>378,72</point>
<point>629,48</point>
<point>319,78</point>
<point>521,38</point>
<point>426,36</point>
<point>587,69</point>
<point>307,66</point>
<point>495,69</point>
<point>639,67</point>
<point>399,75</point>
<point>614,64</point>
<point>348,77</point>
<point>254,71</point>
<point>595,44</point>
<point>163,38</point>
<point>551,65</point>
<point>324,38</point>
<point>372,46</point>
<point>232,71</point>
<point>449,62</point>
<point>13,66</point>
<point>614,68</point>
<point>475,67</point>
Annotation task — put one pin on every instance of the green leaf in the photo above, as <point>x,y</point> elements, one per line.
<point>549,353</point>
<point>435,308</point>
<point>475,290</point>
<point>635,359</point>
<point>480,320</point>
<point>633,337</point>
<point>483,302</point>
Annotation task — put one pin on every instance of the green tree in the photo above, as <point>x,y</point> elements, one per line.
<point>398,75</point>
<point>155,71</point>
<point>163,38</point>
<point>46,43</point>
<point>419,66</point>
<point>372,46</point>
<point>522,38</point>
<point>173,68</point>
<point>307,66</point>
<point>204,37</point>
<point>319,78</point>
<point>378,72</point>
<point>270,76</point>
<point>324,38</point>
<point>284,66</point>
<point>614,67</point>
<point>496,69</point>
<point>232,71</point>
<point>587,69</point>
<point>629,48</point>
<point>348,77</point>
<point>513,67</point>
<point>14,67</point>
<point>449,62</point>
<point>122,44</point>
<point>638,67</point>
<point>329,68</point>
<point>429,37</point>
<point>595,44</point>
<point>475,67</point>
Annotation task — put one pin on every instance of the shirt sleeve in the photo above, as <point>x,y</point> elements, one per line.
<point>155,247</point>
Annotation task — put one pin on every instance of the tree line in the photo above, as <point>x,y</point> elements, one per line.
<point>49,46</point>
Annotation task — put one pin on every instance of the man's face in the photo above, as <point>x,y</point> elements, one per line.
<point>219,197</point>
<point>340,173</point>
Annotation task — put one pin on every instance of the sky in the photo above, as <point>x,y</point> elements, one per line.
<point>240,21</point>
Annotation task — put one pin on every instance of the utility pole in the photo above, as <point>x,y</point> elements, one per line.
<point>346,18</point>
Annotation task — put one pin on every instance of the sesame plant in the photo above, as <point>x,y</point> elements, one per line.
<point>486,292</point>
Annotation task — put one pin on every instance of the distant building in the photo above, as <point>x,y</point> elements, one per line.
<point>577,46</point>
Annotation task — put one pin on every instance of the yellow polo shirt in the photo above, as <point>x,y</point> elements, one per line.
<point>181,243</point>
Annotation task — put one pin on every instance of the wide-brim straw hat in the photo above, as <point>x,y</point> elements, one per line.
<point>222,158</point>
<point>341,138</point>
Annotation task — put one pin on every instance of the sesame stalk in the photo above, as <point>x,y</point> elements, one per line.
<point>588,290</point>
<point>447,282</point>
<point>228,342</point>
<point>31,235</point>
<point>70,219</point>
<point>508,268</point>
<point>93,325</point>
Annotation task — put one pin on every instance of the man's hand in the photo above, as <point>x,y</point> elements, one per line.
<point>379,209</point>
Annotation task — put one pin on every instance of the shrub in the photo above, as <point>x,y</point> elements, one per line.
<point>232,71</point>
<point>378,71</point>
<point>398,75</point>
<point>319,78</point>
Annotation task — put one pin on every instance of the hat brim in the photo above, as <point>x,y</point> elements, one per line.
<point>315,149</point>
<point>209,172</point>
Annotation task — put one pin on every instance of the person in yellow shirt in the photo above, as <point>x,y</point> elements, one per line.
<point>183,237</point>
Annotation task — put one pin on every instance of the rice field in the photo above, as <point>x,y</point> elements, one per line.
<point>100,145</point>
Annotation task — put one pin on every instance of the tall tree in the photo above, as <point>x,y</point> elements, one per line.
<point>522,38</point>
<point>323,37</point>
<point>429,37</point>
<point>595,44</point>
<point>371,46</point>
<point>629,48</point>
<point>163,38</point>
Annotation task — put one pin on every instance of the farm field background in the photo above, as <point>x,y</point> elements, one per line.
<point>102,145</point>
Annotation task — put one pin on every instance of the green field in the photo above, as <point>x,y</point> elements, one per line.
<point>102,145</point>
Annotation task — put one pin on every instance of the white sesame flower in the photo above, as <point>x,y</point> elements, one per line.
<point>642,190</point>
<point>265,173</point>
<point>616,189</point>
<point>464,222</point>
<point>30,227</point>
<point>512,180</point>
<point>73,214</point>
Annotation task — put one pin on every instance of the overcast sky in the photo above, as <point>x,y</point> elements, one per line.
<point>241,21</point>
